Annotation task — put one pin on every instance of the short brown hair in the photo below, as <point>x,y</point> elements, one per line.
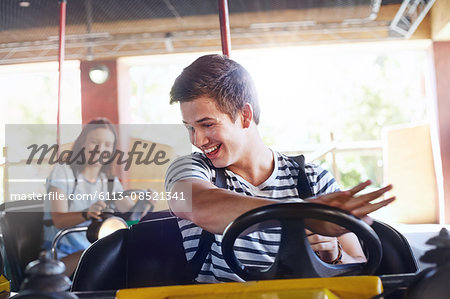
<point>219,78</point>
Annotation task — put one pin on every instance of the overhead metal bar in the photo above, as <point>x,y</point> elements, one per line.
<point>409,16</point>
<point>374,9</point>
<point>106,46</point>
<point>97,39</point>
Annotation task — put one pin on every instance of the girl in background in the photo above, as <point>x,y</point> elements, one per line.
<point>87,183</point>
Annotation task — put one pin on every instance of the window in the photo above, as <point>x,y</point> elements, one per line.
<point>30,95</point>
<point>312,98</point>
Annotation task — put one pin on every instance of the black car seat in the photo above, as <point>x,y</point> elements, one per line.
<point>397,254</point>
<point>21,225</point>
<point>149,253</point>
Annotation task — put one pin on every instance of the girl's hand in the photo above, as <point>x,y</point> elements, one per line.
<point>96,209</point>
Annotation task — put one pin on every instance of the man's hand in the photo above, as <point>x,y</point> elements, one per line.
<point>358,206</point>
<point>325,247</point>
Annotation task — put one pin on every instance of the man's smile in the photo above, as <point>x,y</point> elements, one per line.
<point>211,151</point>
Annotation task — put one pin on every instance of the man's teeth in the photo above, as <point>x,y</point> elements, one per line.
<point>207,151</point>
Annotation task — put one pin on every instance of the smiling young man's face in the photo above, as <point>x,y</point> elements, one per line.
<point>213,131</point>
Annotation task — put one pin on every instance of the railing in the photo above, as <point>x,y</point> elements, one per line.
<point>312,155</point>
<point>335,148</point>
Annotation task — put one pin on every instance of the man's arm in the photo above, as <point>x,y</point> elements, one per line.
<point>329,251</point>
<point>214,208</point>
<point>351,249</point>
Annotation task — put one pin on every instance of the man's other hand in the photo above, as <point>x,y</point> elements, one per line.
<point>357,205</point>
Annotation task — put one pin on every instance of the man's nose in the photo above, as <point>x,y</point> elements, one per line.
<point>199,138</point>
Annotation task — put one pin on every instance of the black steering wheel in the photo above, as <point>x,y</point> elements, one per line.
<point>295,258</point>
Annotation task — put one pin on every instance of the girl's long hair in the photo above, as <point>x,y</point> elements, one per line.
<point>79,145</point>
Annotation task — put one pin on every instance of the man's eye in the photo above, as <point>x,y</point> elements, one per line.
<point>207,125</point>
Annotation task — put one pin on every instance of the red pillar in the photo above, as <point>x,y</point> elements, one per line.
<point>442,65</point>
<point>224,27</point>
<point>99,100</point>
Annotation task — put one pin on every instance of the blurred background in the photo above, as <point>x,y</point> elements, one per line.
<point>357,86</point>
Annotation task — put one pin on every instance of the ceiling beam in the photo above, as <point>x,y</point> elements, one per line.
<point>199,33</point>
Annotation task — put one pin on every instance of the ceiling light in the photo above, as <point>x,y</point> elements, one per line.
<point>24,4</point>
<point>99,74</point>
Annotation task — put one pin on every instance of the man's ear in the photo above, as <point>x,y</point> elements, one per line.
<point>247,115</point>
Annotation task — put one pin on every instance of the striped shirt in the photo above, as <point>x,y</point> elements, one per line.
<point>257,248</point>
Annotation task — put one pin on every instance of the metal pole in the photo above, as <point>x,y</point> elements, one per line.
<point>62,37</point>
<point>224,27</point>
<point>61,234</point>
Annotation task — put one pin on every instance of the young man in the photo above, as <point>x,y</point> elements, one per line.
<point>220,109</point>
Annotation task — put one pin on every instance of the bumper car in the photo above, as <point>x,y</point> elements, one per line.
<point>147,260</point>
